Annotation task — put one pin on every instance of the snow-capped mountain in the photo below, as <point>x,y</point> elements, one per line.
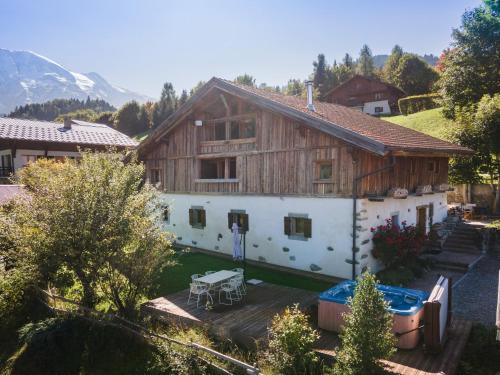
<point>26,77</point>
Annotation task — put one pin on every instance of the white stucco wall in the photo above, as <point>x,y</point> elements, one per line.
<point>19,160</point>
<point>331,242</point>
<point>266,240</point>
<point>369,107</point>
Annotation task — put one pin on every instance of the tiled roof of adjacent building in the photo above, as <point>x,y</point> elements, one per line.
<point>81,132</point>
<point>350,125</point>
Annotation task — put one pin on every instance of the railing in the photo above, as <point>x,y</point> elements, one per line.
<point>6,171</point>
<point>137,329</point>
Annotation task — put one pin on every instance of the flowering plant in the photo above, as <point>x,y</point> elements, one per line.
<point>396,245</point>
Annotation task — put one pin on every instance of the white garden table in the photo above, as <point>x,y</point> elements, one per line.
<point>216,277</point>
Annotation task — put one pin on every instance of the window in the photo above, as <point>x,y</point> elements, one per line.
<point>325,171</point>
<point>379,109</point>
<point>197,217</point>
<point>154,176</point>
<point>395,220</point>
<point>220,131</point>
<point>239,217</point>
<point>298,227</point>
<point>248,128</point>
<point>215,169</point>
<point>30,158</point>
<point>165,215</point>
<point>433,166</point>
<point>235,129</point>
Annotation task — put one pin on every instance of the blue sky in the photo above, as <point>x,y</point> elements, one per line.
<point>141,44</point>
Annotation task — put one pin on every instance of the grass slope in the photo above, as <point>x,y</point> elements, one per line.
<point>178,277</point>
<point>430,122</point>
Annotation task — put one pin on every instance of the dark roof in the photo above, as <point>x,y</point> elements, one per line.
<point>81,132</point>
<point>358,76</point>
<point>352,126</point>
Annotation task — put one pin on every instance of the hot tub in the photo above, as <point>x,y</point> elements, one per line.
<point>406,305</point>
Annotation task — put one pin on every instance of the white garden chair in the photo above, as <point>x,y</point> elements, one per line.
<point>239,270</point>
<point>198,290</point>
<point>240,283</point>
<point>230,290</point>
<point>195,276</point>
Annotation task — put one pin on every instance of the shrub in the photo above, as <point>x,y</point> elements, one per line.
<point>398,276</point>
<point>367,336</point>
<point>291,340</point>
<point>417,103</point>
<point>396,245</point>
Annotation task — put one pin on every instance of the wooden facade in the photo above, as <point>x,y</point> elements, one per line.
<point>251,150</point>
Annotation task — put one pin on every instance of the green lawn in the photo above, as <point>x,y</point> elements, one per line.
<point>429,122</point>
<point>178,277</point>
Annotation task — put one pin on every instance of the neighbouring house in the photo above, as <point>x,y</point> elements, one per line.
<point>306,179</point>
<point>369,95</point>
<point>22,141</point>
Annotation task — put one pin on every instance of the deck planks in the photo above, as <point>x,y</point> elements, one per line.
<point>247,323</point>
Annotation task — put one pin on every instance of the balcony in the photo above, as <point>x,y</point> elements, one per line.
<point>227,146</point>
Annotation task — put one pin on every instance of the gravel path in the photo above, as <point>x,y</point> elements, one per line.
<point>475,296</point>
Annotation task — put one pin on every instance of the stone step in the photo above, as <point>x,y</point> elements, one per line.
<point>453,260</point>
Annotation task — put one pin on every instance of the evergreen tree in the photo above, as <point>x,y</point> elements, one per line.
<point>367,336</point>
<point>105,118</point>
<point>347,61</point>
<point>128,119</point>
<point>320,75</point>
<point>245,79</point>
<point>166,106</point>
<point>196,88</point>
<point>391,64</point>
<point>365,65</point>
<point>183,98</point>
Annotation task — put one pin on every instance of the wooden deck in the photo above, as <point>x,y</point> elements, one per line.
<point>416,361</point>
<point>247,323</point>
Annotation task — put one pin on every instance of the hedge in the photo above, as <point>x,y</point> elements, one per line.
<point>417,103</point>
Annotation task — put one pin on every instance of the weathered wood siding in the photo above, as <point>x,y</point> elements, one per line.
<point>280,159</point>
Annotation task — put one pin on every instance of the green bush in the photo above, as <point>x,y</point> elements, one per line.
<point>417,103</point>
<point>367,337</point>
<point>399,276</point>
<point>291,340</point>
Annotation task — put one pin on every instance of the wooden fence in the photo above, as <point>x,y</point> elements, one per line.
<point>51,301</point>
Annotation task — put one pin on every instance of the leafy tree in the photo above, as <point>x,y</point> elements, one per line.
<point>365,65</point>
<point>129,119</point>
<point>291,340</point>
<point>413,75</point>
<point>479,129</point>
<point>245,79</point>
<point>391,64</point>
<point>166,106</point>
<point>93,222</point>
<point>295,87</point>
<point>367,336</point>
<point>470,69</point>
<point>105,118</point>
<point>81,114</point>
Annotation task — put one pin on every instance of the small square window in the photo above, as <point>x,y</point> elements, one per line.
<point>297,227</point>
<point>197,218</point>
<point>325,171</point>
<point>395,220</point>
<point>155,176</point>
<point>379,109</point>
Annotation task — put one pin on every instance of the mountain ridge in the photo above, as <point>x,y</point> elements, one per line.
<point>28,77</point>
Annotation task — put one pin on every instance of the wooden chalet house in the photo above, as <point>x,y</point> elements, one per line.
<point>22,141</point>
<point>303,177</point>
<point>369,95</point>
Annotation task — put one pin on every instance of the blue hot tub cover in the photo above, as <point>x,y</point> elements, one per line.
<point>403,301</point>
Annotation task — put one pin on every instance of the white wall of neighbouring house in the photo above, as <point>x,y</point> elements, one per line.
<point>372,214</point>
<point>370,107</point>
<point>325,252</point>
<point>20,160</point>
